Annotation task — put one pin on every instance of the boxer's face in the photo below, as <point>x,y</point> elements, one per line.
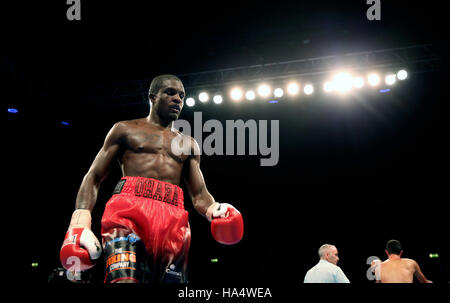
<point>169,101</point>
<point>332,256</point>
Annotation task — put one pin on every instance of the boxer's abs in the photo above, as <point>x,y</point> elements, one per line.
<point>158,166</point>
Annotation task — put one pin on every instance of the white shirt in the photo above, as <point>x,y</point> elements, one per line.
<point>325,272</point>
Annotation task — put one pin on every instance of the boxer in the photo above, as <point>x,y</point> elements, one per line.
<point>397,269</point>
<point>145,229</point>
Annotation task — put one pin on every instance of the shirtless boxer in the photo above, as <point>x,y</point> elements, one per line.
<point>145,229</point>
<point>397,269</point>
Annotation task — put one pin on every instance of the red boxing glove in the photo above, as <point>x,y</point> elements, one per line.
<point>227,225</point>
<point>80,248</point>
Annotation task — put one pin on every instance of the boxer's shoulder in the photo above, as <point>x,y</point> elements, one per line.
<point>117,132</point>
<point>129,127</point>
<point>409,262</point>
<point>134,123</point>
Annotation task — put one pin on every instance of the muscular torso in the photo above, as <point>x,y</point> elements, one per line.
<point>145,150</point>
<point>397,271</point>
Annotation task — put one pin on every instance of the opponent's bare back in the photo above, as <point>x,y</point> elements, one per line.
<point>401,270</point>
<point>397,271</point>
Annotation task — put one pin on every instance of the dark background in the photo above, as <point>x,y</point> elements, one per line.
<point>346,176</point>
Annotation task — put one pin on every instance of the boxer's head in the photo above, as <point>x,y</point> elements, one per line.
<point>393,247</point>
<point>330,253</point>
<point>166,96</point>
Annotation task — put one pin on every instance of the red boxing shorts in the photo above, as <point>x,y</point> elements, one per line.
<point>145,232</point>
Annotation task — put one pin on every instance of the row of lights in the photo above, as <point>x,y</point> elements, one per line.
<point>342,82</point>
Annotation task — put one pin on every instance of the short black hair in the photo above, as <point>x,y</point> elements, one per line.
<point>157,83</point>
<point>393,247</point>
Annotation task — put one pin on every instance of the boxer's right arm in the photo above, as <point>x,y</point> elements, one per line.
<point>81,248</point>
<point>100,168</point>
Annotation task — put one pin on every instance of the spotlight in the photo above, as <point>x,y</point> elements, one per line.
<point>402,74</point>
<point>292,88</point>
<point>250,95</point>
<point>236,94</point>
<point>217,99</point>
<point>264,90</point>
<point>278,92</point>
<point>328,86</point>
<point>373,79</point>
<point>342,82</point>
<point>190,102</point>
<point>358,82</point>
<point>12,110</point>
<point>390,79</point>
<point>203,97</point>
<point>308,89</point>
<point>64,123</point>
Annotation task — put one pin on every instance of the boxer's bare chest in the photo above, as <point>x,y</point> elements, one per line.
<point>143,140</point>
<point>147,141</point>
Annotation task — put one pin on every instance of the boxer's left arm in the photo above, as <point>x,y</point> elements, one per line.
<point>227,226</point>
<point>418,273</point>
<point>195,183</point>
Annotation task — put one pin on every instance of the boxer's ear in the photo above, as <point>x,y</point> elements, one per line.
<point>401,253</point>
<point>152,98</point>
<point>387,253</point>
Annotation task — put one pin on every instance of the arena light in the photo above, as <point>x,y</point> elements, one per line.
<point>358,82</point>
<point>373,79</point>
<point>390,79</point>
<point>292,88</point>
<point>190,102</point>
<point>64,123</point>
<point>203,97</point>
<point>278,92</point>
<point>433,256</point>
<point>402,74</point>
<point>264,90</point>
<point>250,95</point>
<point>328,86</point>
<point>342,82</point>
<point>12,110</point>
<point>308,89</point>
<point>236,94</point>
<point>217,99</point>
